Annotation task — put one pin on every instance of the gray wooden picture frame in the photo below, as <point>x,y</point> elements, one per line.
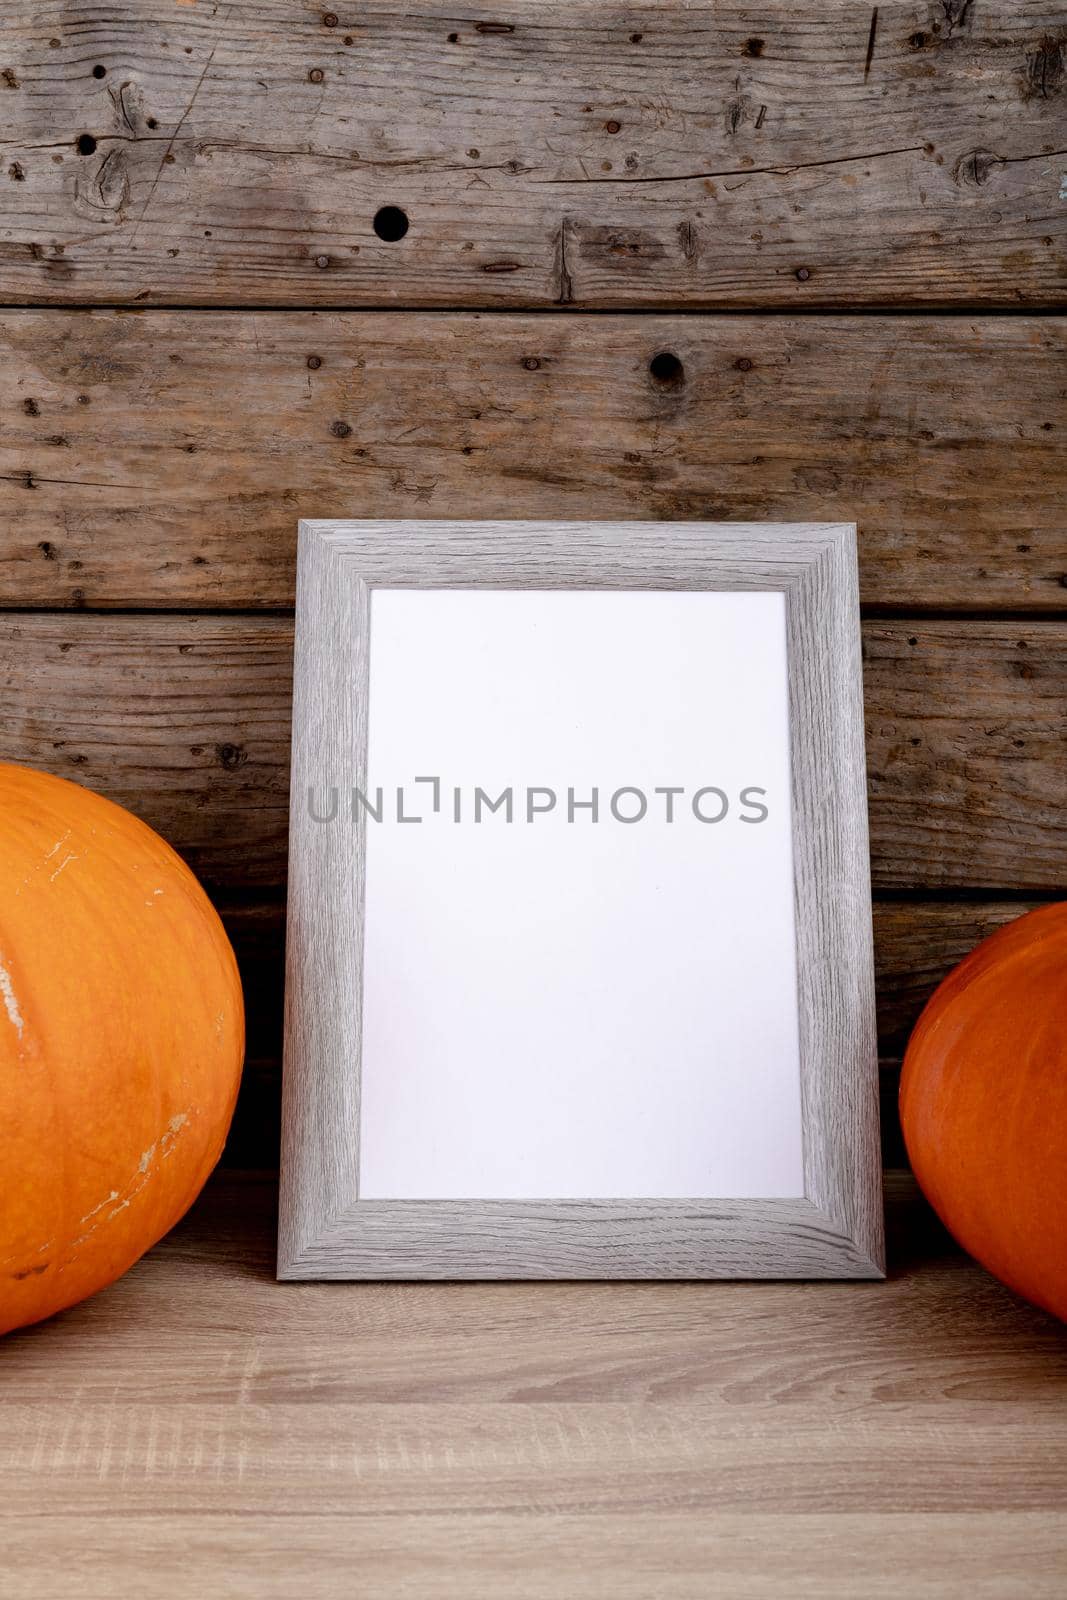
<point>835,1230</point>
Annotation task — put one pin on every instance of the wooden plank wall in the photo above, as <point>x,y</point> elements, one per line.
<point>263,259</point>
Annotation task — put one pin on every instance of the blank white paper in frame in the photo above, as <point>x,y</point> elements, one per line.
<point>561,1000</point>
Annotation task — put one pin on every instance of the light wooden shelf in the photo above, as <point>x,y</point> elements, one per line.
<point>199,1429</point>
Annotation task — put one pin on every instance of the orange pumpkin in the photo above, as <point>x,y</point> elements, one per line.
<point>983,1102</point>
<point>121,1040</point>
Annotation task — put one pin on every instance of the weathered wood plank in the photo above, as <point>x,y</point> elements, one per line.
<point>186,720</point>
<point>162,459</point>
<point>916,943</point>
<point>811,152</point>
<point>966,730</point>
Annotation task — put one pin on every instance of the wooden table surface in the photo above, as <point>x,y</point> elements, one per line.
<point>201,1430</point>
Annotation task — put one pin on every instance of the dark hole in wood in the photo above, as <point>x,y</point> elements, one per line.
<point>99,71</point>
<point>86,144</point>
<point>390,223</point>
<point>667,370</point>
<point>152,123</point>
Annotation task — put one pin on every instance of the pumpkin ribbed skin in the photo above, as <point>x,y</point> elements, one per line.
<point>983,1103</point>
<point>121,1041</point>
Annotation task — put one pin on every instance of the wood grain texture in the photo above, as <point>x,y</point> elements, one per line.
<point>966,788</point>
<point>326,1228</point>
<point>540,1553</point>
<point>163,459</point>
<point>916,944</point>
<point>186,720</point>
<point>232,1435</point>
<point>322,1080</point>
<point>805,154</point>
<point>832,895</point>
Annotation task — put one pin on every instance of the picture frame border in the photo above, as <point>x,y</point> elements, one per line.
<point>836,1229</point>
